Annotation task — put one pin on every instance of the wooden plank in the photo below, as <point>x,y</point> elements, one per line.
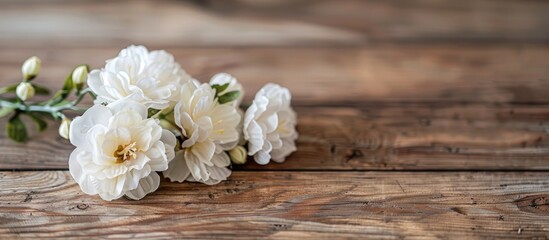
<point>406,107</point>
<point>374,137</point>
<point>389,205</point>
<point>324,76</point>
<point>269,23</point>
<point>420,137</point>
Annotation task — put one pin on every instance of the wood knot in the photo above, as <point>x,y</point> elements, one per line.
<point>459,210</point>
<point>280,226</point>
<point>534,204</point>
<point>232,190</point>
<point>82,206</point>
<point>353,154</point>
<point>28,197</point>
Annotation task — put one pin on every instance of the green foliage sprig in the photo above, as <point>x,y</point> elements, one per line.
<point>54,108</point>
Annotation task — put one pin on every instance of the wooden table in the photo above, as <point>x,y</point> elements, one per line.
<point>420,119</point>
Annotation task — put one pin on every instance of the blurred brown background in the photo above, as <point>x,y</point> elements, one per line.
<point>247,23</point>
<point>323,50</point>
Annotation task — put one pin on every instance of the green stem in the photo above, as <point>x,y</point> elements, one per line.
<point>54,110</point>
<point>81,96</point>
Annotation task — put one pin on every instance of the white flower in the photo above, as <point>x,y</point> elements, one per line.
<point>31,67</point>
<point>118,151</point>
<point>269,125</point>
<point>24,91</point>
<point>234,85</point>
<point>151,78</point>
<point>206,127</point>
<point>80,75</point>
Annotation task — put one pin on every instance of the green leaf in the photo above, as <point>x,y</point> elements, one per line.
<point>9,89</point>
<point>220,88</point>
<point>40,90</point>
<point>16,130</point>
<point>228,97</point>
<point>5,111</point>
<point>68,86</point>
<point>41,125</point>
<point>62,94</point>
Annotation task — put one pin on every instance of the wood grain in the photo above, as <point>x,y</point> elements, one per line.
<point>393,107</point>
<point>286,205</point>
<point>374,137</point>
<point>269,23</point>
<point>327,76</point>
<point>418,119</point>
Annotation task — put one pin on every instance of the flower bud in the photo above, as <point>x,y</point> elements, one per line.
<point>238,155</point>
<point>80,75</point>
<point>31,67</point>
<point>64,128</point>
<point>24,91</point>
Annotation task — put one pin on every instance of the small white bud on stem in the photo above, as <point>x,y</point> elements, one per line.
<point>64,128</point>
<point>31,68</point>
<point>238,155</point>
<point>80,75</point>
<point>24,91</point>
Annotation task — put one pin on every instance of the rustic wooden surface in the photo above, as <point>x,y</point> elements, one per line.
<point>287,205</point>
<point>417,119</point>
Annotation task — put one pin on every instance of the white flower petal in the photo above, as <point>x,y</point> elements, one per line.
<point>221,160</point>
<point>96,115</point>
<point>86,183</point>
<point>178,169</point>
<point>94,81</point>
<point>216,174</point>
<point>146,185</point>
<point>225,120</point>
<point>262,158</point>
<point>197,168</point>
<point>133,106</point>
<point>169,143</point>
<point>288,147</point>
<point>202,151</point>
<point>205,127</point>
<point>256,137</point>
<point>270,122</point>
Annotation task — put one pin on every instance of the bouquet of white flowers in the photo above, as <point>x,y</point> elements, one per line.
<point>150,116</point>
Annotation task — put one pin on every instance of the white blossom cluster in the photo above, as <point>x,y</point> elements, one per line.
<point>151,116</point>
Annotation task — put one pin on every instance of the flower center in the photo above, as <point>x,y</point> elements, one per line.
<point>125,153</point>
